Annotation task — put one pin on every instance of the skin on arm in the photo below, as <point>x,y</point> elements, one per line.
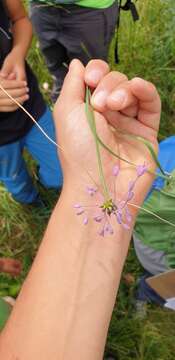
<point>14,64</point>
<point>64,308</point>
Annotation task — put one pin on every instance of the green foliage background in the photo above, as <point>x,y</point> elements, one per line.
<point>146,49</point>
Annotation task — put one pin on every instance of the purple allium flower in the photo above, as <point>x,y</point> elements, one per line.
<point>103,211</point>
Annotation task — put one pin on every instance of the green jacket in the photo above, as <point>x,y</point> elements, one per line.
<point>151,230</point>
<point>96,4</point>
<point>5,310</point>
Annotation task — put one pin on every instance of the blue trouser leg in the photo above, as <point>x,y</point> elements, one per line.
<point>14,175</point>
<point>44,152</point>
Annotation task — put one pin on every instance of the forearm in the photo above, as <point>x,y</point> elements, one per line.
<point>65,306</point>
<point>22,36</point>
<point>21,26</point>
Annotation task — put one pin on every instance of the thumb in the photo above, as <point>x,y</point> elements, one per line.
<point>73,90</point>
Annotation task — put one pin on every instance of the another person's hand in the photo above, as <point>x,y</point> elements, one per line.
<point>130,106</point>
<point>17,89</point>
<point>14,66</point>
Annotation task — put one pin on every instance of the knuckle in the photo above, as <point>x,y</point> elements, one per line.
<point>118,76</point>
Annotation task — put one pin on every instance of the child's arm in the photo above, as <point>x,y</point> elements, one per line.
<point>64,308</point>
<point>14,64</point>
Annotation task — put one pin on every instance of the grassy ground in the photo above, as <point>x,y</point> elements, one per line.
<point>146,49</point>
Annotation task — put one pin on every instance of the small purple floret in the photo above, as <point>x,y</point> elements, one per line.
<point>80,212</point>
<point>119,217</point>
<point>126,226</point>
<point>102,233</point>
<point>77,206</point>
<point>141,170</point>
<point>91,190</point>
<point>98,218</point>
<point>85,221</point>
<point>131,185</point>
<point>108,228</point>
<point>128,215</point>
<point>130,195</point>
<point>115,170</point>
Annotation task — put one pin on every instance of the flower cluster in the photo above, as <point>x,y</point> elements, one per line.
<point>103,211</point>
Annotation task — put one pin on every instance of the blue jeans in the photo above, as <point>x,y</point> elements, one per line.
<point>13,171</point>
<point>146,293</point>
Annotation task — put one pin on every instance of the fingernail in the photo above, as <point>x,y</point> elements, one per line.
<point>94,76</point>
<point>99,99</point>
<point>27,89</point>
<point>74,64</point>
<point>118,96</point>
<point>27,97</point>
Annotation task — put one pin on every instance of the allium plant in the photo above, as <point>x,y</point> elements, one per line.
<point>108,207</point>
<point>104,210</point>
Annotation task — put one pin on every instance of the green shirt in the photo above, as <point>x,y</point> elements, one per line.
<point>96,4</point>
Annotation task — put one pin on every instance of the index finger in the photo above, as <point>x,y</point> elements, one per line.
<point>12,84</point>
<point>95,71</point>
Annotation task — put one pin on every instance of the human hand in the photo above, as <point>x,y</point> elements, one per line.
<point>17,89</point>
<point>13,67</point>
<point>136,110</point>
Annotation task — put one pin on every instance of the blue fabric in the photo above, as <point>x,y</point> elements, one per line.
<point>13,171</point>
<point>166,158</point>
<point>146,293</point>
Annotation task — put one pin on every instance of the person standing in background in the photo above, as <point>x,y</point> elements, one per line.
<point>17,130</point>
<point>69,29</point>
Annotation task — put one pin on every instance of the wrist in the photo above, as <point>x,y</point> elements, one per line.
<point>18,52</point>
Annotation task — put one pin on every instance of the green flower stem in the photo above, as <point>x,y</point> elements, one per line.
<point>91,121</point>
<point>166,177</point>
<point>150,148</point>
